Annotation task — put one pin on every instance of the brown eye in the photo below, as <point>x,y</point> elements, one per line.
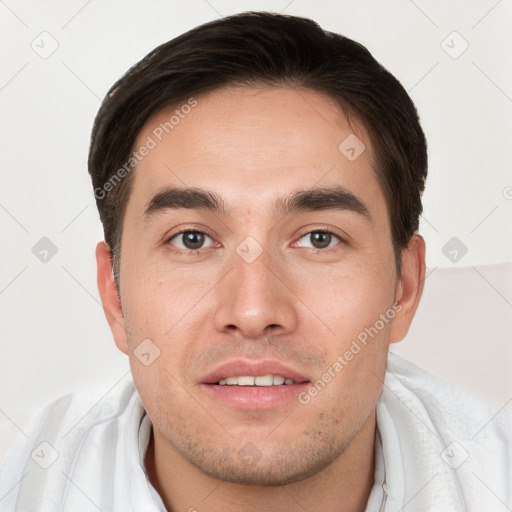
<point>320,239</point>
<point>191,240</point>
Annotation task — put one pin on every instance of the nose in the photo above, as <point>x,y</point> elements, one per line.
<point>257,300</point>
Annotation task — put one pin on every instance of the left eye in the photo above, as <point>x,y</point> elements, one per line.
<point>320,239</point>
<point>192,240</point>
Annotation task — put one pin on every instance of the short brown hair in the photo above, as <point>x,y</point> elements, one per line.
<point>262,48</point>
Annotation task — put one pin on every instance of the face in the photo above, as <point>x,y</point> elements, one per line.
<point>261,287</point>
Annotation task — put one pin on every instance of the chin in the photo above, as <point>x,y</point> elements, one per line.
<point>278,466</point>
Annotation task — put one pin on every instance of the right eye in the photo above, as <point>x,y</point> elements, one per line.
<point>189,240</point>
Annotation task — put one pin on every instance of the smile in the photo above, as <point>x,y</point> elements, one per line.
<point>261,380</point>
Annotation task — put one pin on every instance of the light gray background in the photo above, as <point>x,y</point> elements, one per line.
<point>54,338</point>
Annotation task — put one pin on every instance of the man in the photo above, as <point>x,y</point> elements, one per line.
<point>259,181</point>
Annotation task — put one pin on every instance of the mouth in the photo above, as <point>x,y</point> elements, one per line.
<point>259,380</point>
<point>254,385</point>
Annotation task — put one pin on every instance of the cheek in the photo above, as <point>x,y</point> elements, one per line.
<point>159,311</point>
<point>357,306</point>
<point>157,297</point>
<point>346,298</point>
<point>352,382</point>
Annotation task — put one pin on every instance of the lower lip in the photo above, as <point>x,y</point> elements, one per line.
<point>254,397</point>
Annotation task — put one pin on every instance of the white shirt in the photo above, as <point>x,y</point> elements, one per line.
<point>439,448</point>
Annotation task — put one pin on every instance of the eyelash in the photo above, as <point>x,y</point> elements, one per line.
<point>327,250</point>
<point>194,252</point>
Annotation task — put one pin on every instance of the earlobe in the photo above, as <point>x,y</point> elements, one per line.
<point>409,288</point>
<point>109,296</point>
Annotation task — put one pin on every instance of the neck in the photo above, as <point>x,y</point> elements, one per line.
<point>343,486</point>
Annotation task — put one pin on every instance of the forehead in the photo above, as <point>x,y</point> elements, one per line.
<point>254,144</point>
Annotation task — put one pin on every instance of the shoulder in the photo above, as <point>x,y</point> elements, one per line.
<point>65,420</point>
<point>450,407</point>
<point>455,434</point>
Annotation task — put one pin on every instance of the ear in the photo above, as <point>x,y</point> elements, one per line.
<point>109,296</point>
<point>409,288</point>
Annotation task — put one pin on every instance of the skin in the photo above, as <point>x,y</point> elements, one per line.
<point>295,304</point>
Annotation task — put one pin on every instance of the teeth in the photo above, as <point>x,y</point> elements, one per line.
<point>246,381</point>
<point>265,380</point>
<point>261,380</point>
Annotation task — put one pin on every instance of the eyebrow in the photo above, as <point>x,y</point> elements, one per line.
<point>315,199</point>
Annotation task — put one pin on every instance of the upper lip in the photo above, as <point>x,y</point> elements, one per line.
<point>244,367</point>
